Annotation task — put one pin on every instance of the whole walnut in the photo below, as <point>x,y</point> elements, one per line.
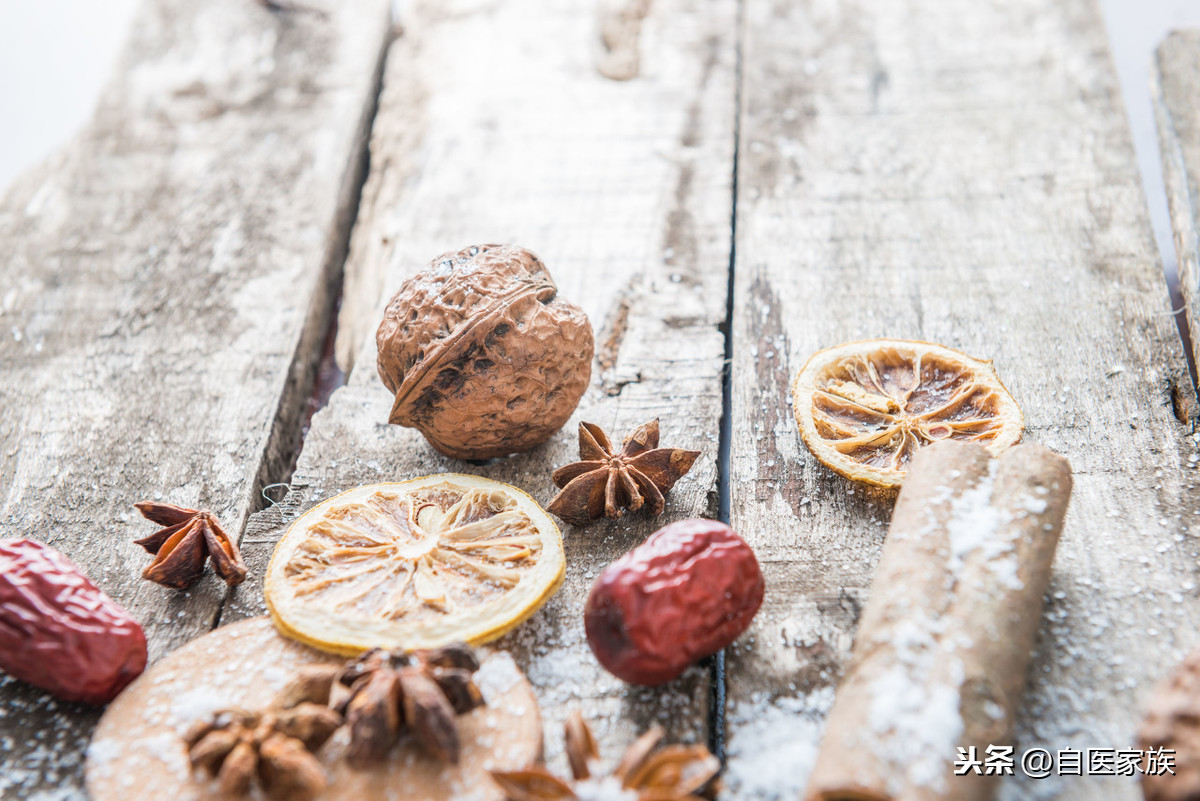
<point>483,356</point>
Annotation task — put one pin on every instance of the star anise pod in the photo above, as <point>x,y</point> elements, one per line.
<point>180,549</point>
<point>605,481</point>
<point>422,691</point>
<point>645,773</point>
<point>275,745</point>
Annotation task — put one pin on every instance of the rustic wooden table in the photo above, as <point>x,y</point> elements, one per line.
<point>734,183</point>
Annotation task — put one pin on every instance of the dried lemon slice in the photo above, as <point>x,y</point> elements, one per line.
<point>417,564</point>
<point>864,408</point>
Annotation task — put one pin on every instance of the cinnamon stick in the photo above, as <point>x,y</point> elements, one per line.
<point>945,639</point>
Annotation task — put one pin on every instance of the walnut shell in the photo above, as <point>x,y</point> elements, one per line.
<point>1173,723</point>
<point>483,357</point>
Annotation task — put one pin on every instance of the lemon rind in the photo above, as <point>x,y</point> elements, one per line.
<point>803,385</point>
<point>340,634</point>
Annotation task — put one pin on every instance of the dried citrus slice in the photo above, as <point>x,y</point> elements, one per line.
<point>417,564</point>
<point>864,408</point>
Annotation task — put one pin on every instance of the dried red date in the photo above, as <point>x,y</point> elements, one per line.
<point>685,593</point>
<point>58,631</point>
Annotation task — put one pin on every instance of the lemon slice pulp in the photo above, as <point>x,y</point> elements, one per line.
<point>416,564</point>
<point>864,408</point>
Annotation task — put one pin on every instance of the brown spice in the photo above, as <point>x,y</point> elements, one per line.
<point>673,773</point>
<point>276,745</point>
<point>185,542</point>
<point>606,481</point>
<point>423,691</point>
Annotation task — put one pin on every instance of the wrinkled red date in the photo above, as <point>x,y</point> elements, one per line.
<point>683,594</point>
<point>59,631</point>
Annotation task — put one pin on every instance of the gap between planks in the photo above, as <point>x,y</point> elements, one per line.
<point>163,293</point>
<point>623,189</point>
<point>1174,83</point>
<point>719,691</point>
<point>963,174</point>
<point>286,439</point>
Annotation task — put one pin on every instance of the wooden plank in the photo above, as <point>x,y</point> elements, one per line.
<point>962,173</point>
<point>165,284</point>
<point>623,188</point>
<point>1175,85</point>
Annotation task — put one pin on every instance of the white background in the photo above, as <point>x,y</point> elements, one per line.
<point>55,56</point>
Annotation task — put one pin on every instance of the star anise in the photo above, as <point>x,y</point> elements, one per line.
<point>422,691</point>
<point>645,773</point>
<point>275,745</point>
<point>180,549</point>
<point>606,481</point>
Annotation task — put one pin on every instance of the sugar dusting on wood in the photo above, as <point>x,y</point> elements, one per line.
<point>496,676</point>
<point>773,744</point>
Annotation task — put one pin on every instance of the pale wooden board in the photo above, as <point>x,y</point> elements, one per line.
<point>510,134</point>
<point>163,286</point>
<point>959,172</point>
<point>1175,86</point>
<point>138,753</point>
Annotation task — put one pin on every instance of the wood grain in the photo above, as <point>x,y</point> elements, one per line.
<point>1175,85</point>
<point>961,173</point>
<point>623,189</point>
<point>164,282</point>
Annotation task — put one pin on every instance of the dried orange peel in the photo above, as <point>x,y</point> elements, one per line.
<point>417,564</point>
<point>864,408</point>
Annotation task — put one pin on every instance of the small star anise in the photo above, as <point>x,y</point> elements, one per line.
<point>180,549</point>
<point>673,773</point>
<point>605,481</point>
<point>422,690</point>
<point>275,744</point>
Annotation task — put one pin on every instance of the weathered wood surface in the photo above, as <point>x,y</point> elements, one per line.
<point>164,283</point>
<point>962,173</point>
<point>1175,86</point>
<point>937,170</point>
<point>495,125</point>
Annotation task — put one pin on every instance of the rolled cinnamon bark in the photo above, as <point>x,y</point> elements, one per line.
<point>941,652</point>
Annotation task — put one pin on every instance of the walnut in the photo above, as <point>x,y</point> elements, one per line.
<point>483,357</point>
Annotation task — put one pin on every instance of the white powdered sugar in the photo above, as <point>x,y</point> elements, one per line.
<point>607,788</point>
<point>976,530</point>
<point>101,754</point>
<point>914,704</point>
<point>196,704</point>
<point>914,711</point>
<point>496,676</point>
<point>773,745</point>
<point>923,722</point>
